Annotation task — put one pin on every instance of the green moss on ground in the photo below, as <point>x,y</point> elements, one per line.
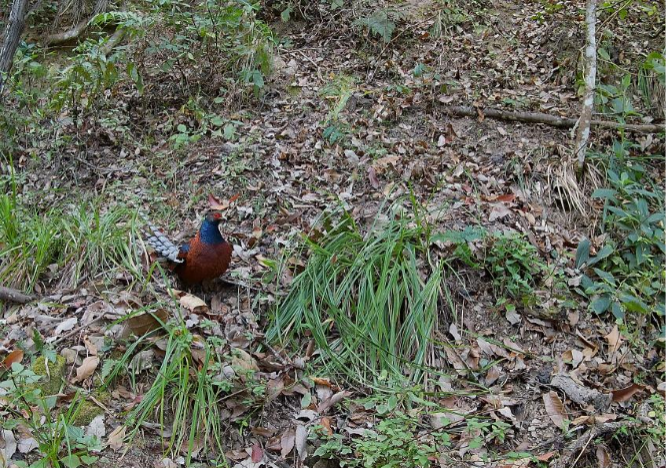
<point>52,374</point>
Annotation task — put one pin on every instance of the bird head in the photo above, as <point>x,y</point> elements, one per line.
<point>214,217</point>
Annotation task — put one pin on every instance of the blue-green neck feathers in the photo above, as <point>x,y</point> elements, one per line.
<point>209,233</point>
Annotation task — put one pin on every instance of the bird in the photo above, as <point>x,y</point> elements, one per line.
<point>205,257</point>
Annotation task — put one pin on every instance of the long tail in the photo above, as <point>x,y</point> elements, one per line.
<point>164,246</point>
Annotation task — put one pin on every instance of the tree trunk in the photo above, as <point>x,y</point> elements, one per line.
<point>584,124</point>
<point>12,36</point>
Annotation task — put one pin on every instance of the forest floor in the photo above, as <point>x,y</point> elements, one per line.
<point>348,122</point>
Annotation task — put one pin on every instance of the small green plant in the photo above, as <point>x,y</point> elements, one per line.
<point>655,62</point>
<point>651,81</point>
<point>459,243</point>
<point>211,34</point>
<point>91,71</point>
<point>514,264</point>
<point>395,441</point>
<point>21,108</point>
<point>206,123</point>
<point>194,375</point>
<point>628,272</point>
<point>548,8</point>
<point>337,92</point>
<point>381,23</point>
<point>61,443</point>
<point>483,431</point>
<point>449,16</point>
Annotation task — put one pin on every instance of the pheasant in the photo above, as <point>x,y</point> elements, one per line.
<point>205,257</point>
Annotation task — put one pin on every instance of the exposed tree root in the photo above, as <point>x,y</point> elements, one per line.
<point>77,31</point>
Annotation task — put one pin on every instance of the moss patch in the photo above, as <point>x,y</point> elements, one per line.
<point>52,374</point>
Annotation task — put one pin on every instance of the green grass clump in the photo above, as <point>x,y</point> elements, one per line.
<point>185,391</point>
<point>365,301</point>
<point>87,242</point>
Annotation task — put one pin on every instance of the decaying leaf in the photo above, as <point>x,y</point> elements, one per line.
<point>614,340</point>
<point>627,393</point>
<point>287,442</point>
<point>301,441</point>
<point>193,303</point>
<point>65,325</point>
<point>603,456</point>
<point>145,322</point>
<point>13,357</point>
<point>256,453</point>
<point>243,360</point>
<point>332,401</point>
<point>115,439</point>
<point>87,368</point>
<point>555,409</point>
<point>499,211</point>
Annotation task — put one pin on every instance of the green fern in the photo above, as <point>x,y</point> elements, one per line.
<point>381,22</point>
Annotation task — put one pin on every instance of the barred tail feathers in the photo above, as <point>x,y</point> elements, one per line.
<point>164,246</point>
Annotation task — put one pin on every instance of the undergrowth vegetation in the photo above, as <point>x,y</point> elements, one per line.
<point>224,40</point>
<point>66,244</point>
<point>627,274</point>
<point>369,290</point>
<point>405,342</point>
<point>61,441</point>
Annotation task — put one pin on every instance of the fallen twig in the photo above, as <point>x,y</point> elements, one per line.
<point>78,329</point>
<point>547,119</point>
<point>13,295</point>
<point>580,444</point>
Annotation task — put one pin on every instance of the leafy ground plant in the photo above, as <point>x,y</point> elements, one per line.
<point>628,272</point>
<point>364,300</point>
<point>392,443</point>
<point>399,438</point>
<point>514,264</point>
<point>61,442</point>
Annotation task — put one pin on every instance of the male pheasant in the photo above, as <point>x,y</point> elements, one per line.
<point>205,257</point>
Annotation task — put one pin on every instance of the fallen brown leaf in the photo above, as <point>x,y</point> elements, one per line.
<point>115,439</point>
<point>86,369</point>
<point>287,442</point>
<point>555,409</point>
<point>613,340</point>
<point>603,456</point>
<point>627,393</point>
<point>144,323</point>
<point>13,357</point>
<point>193,303</point>
<point>256,453</point>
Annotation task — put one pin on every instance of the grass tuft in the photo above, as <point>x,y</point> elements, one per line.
<point>365,301</point>
<point>87,242</point>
